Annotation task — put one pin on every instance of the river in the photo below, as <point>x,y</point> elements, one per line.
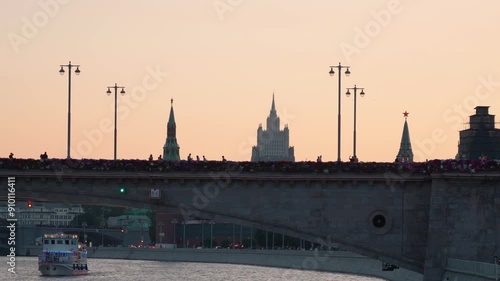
<point>108,269</point>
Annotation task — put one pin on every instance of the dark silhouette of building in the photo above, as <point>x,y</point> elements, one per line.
<point>171,148</point>
<point>481,139</point>
<point>405,153</point>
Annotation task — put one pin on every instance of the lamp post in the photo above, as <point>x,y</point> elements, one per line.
<point>211,234</point>
<point>184,240</point>
<point>251,237</point>
<point>174,222</point>
<point>496,263</point>
<point>77,72</point>
<point>234,236</point>
<point>362,94</point>
<point>161,232</point>
<point>203,234</point>
<point>347,73</point>
<point>142,234</point>
<point>122,92</point>
<point>84,224</point>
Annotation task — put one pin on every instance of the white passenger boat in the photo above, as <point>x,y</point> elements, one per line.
<point>62,255</point>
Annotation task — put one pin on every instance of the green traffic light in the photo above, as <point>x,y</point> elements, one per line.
<point>122,189</point>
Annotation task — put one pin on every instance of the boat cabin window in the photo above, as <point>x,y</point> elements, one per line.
<point>66,242</point>
<point>73,242</point>
<point>52,241</point>
<point>59,241</point>
<point>46,241</point>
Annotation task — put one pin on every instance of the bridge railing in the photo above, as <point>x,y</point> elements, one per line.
<point>160,166</point>
<point>482,269</point>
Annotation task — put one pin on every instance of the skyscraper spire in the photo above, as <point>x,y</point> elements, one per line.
<point>273,121</point>
<point>171,148</point>
<point>405,153</point>
<point>273,108</point>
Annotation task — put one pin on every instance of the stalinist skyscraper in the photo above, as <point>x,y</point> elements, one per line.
<point>171,148</point>
<point>273,143</point>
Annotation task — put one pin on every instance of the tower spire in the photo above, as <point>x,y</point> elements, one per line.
<point>171,148</point>
<point>171,118</point>
<point>405,153</point>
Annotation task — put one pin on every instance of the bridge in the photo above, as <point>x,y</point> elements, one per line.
<point>414,218</point>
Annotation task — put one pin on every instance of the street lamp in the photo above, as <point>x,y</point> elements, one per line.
<point>122,92</point>
<point>251,237</point>
<point>347,73</point>
<point>161,234</point>
<point>496,263</point>
<point>77,72</point>
<point>184,240</point>
<point>142,233</point>
<point>362,94</point>
<point>84,224</point>
<point>174,222</point>
<point>203,234</point>
<point>211,234</point>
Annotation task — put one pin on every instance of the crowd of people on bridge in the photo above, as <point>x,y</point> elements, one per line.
<point>191,165</point>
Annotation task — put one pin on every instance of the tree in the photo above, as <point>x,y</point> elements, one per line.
<point>225,243</point>
<point>260,237</point>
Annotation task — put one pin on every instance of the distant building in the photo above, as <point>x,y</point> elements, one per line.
<point>273,143</point>
<point>171,148</point>
<point>130,221</point>
<point>54,214</point>
<point>405,153</point>
<point>481,139</point>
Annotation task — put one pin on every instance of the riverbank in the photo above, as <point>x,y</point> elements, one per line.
<point>332,261</point>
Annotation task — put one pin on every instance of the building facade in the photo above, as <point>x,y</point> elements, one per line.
<point>42,213</point>
<point>171,148</point>
<point>273,144</point>
<point>405,154</point>
<point>482,139</point>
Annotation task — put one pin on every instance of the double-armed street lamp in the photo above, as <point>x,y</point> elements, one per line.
<point>77,72</point>
<point>347,73</point>
<point>362,94</point>
<point>122,92</point>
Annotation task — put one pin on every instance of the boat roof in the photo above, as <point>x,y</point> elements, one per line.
<point>61,235</point>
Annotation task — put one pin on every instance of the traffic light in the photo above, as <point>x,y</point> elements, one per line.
<point>122,190</point>
<point>30,204</point>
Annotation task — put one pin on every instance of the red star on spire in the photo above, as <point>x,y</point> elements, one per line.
<point>405,114</point>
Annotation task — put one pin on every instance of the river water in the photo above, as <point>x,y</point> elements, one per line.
<point>108,269</point>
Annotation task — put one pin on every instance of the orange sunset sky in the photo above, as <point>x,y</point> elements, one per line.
<point>221,61</point>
